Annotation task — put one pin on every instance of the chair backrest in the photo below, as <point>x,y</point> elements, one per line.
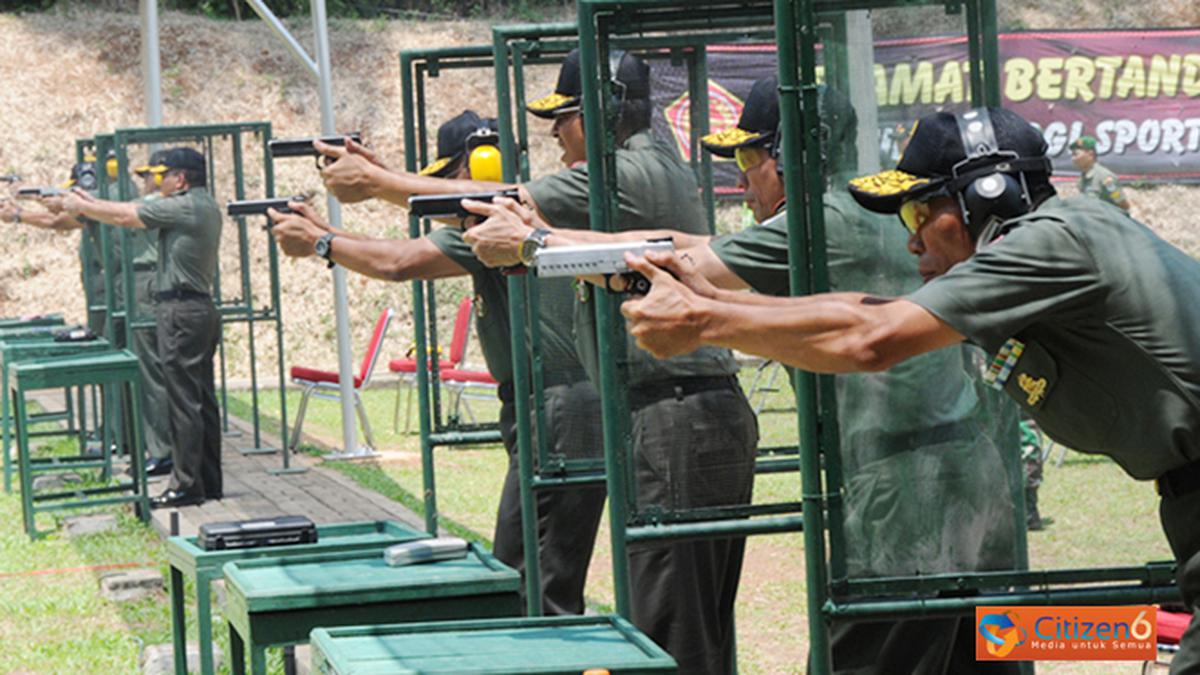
<point>462,329</point>
<point>375,346</point>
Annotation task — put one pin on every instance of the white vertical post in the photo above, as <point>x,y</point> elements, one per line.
<point>860,59</point>
<point>151,70</point>
<point>340,301</point>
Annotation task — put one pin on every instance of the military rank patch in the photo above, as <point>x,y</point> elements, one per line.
<point>1002,365</point>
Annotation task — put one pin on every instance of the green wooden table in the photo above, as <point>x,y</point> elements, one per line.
<point>35,320</point>
<point>118,370</point>
<point>188,560</point>
<point>562,644</point>
<point>14,351</point>
<point>26,332</point>
<point>272,602</point>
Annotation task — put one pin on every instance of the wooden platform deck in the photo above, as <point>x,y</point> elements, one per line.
<point>252,491</point>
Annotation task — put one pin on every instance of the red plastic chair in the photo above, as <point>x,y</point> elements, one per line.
<point>407,367</point>
<point>324,383</point>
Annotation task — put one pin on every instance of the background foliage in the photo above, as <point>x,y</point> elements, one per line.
<point>353,9</point>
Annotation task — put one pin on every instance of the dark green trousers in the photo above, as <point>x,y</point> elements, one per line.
<point>1180,517</point>
<point>156,420</point>
<point>691,451</point>
<point>567,519</point>
<point>187,340</point>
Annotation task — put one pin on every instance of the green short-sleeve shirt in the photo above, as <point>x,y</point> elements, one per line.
<point>1108,316</point>
<point>559,363</point>
<point>866,252</point>
<point>189,237</point>
<point>1102,184</point>
<point>143,250</point>
<point>654,190</point>
<point>920,423</point>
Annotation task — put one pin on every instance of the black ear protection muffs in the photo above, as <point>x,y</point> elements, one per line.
<point>618,87</point>
<point>988,192</point>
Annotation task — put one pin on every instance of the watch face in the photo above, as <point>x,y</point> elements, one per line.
<point>322,247</point>
<point>528,248</point>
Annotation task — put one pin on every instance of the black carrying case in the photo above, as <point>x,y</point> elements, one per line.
<point>278,531</point>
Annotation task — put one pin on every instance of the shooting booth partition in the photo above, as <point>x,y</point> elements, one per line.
<point>816,43</point>
<point>515,47</point>
<point>239,141</point>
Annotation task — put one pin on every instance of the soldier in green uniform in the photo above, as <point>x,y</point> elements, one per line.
<point>694,433</point>
<point>683,594</point>
<point>1095,180</point>
<point>921,424</point>
<point>91,271</point>
<point>188,222</point>
<point>156,416</point>
<point>1090,315</point>
<point>567,519</point>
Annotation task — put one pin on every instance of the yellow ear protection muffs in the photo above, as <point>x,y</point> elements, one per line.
<point>483,155</point>
<point>990,183</point>
<point>110,165</point>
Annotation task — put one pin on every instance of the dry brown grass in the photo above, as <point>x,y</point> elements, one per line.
<point>77,73</point>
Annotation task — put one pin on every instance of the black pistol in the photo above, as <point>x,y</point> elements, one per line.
<point>303,147</point>
<point>450,206</point>
<point>258,207</point>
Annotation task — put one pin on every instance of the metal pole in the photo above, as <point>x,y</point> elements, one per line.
<point>341,308</point>
<point>282,33</point>
<point>860,63</point>
<point>320,68</point>
<point>151,70</point>
<point>789,16</point>
<point>611,343</point>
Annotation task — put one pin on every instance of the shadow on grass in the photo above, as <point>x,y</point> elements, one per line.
<point>371,475</point>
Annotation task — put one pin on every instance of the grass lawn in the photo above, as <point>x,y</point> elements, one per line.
<point>52,619</point>
<point>1101,518</point>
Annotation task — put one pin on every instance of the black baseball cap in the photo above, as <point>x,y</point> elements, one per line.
<point>183,159</point>
<point>632,76</point>
<point>453,138</point>
<point>935,153</point>
<point>758,124</point>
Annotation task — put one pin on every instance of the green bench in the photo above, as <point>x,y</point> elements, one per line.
<point>14,351</point>
<point>278,602</point>
<point>117,370</point>
<point>567,645</point>
<point>34,332</point>
<point>188,561</point>
<point>36,320</point>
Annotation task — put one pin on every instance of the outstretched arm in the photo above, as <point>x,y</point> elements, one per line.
<point>388,259</point>
<point>121,214</point>
<point>355,175</point>
<point>825,333</point>
<point>497,240</point>
<point>47,220</point>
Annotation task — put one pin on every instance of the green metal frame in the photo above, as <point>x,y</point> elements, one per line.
<point>242,310</point>
<point>830,592</point>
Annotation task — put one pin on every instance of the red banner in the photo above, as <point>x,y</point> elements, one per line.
<point>1137,92</point>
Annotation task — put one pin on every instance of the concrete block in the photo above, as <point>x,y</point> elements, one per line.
<point>303,660</point>
<point>127,585</point>
<point>55,481</point>
<point>160,659</point>
<point>218,591</point>
<point>92,523</point>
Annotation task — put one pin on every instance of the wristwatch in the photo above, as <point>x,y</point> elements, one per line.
<point>534,241</point>
<point>324,247</point>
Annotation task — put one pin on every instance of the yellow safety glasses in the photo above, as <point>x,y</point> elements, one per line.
<point>913,214</point>
<point>749,157</point>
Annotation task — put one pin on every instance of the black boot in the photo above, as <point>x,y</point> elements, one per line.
<point>1033,519</point>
